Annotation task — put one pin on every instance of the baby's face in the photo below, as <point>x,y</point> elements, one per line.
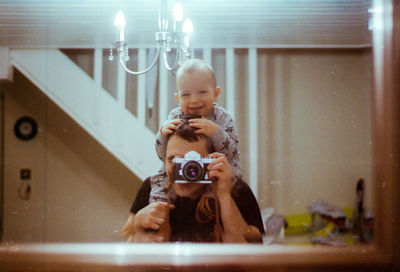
<point>197,92</point>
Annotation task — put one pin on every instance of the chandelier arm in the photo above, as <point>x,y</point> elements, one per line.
<point>166,60</point>
<point>121,61</point>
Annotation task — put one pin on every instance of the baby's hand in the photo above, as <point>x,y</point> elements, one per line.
<point>205,126</point>
<point>169,127</point>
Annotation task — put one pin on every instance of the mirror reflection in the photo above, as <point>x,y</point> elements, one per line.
<point>299,95</point>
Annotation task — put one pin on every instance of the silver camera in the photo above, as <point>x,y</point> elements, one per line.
<point>191,168</point>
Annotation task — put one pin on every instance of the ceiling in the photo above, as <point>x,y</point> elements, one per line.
<point>217,24</point>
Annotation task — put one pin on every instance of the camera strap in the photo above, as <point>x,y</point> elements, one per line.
<point>217,227</point>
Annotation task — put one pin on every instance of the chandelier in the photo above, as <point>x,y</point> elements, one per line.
<point>166,41</point>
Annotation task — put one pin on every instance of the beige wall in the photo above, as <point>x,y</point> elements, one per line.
<point>315,127</point>
<point>80,192</point>
<point>314,143</point>
<point>314,124</point>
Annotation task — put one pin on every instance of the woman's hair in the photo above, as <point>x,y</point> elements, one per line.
<point>186,132</point>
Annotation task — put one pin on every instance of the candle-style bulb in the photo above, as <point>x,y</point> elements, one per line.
<point>119,23</point>
<point>188,26</point>
<point>177,12</point>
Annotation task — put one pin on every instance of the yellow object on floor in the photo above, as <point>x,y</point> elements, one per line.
<point>330,227</point>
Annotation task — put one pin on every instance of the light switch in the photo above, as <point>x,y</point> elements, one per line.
<point>25,174</point>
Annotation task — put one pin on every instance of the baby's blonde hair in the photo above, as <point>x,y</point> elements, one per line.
<point>195,65</point>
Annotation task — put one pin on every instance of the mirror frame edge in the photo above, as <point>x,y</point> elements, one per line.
<point>386,124</point>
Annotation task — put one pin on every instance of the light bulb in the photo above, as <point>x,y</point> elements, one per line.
<point>188,26</point>
<point>119,23</point>
<point>178,12</point>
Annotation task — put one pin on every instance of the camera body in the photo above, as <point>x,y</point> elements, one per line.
<point>192,168</point>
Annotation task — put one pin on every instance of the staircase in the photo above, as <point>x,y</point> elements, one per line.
<point>92,107</point>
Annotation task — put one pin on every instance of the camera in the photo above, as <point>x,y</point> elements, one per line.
<point>191,168</point>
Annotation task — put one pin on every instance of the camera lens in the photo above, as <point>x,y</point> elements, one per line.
<point>192,171</point>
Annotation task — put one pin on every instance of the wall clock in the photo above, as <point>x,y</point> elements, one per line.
<point>25,128</point>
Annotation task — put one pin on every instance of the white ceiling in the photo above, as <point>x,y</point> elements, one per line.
<point>217,24</point>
